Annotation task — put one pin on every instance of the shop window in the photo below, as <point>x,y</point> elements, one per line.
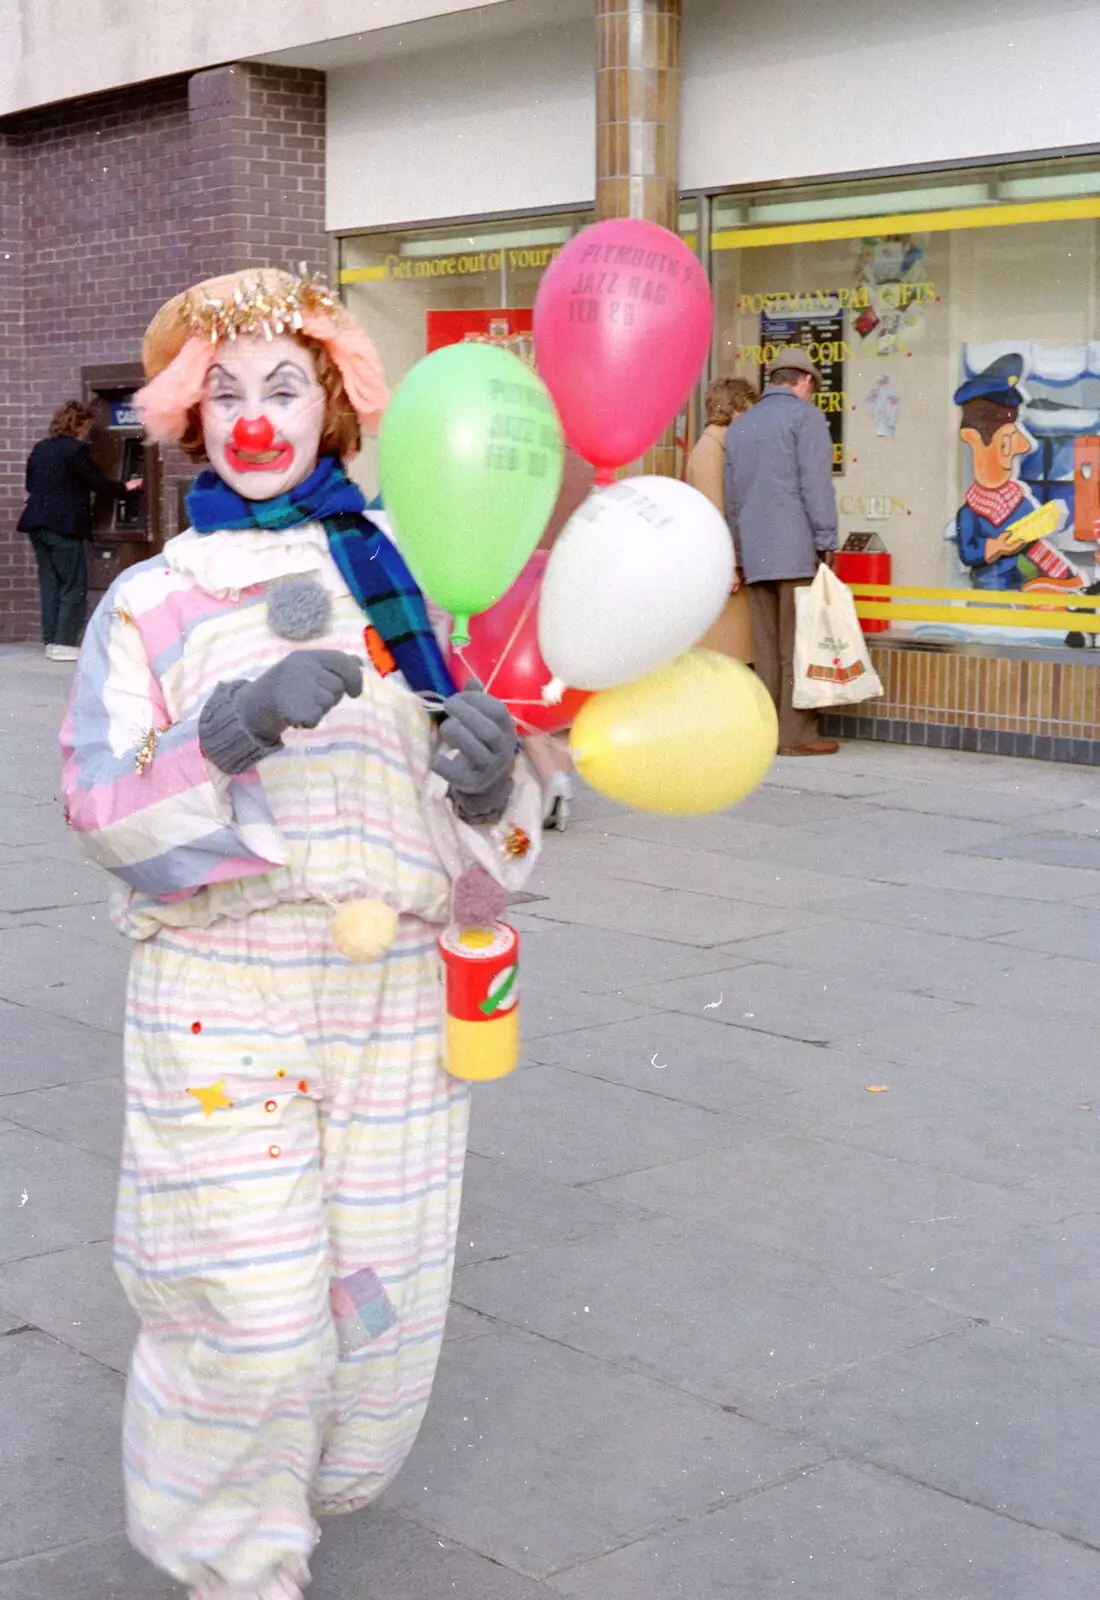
<point>423,288</point>
<point>957,320</point>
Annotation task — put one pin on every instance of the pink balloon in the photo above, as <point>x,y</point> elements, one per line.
<point>622,326</point>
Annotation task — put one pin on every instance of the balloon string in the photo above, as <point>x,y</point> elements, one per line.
<point>528,607</point>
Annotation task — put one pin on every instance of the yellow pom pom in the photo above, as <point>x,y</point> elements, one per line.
<point>363,930</point>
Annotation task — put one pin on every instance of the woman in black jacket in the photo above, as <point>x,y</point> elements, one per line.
<point>61,479</point>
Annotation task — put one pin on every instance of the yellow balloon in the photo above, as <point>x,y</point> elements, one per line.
<point>697,735</point>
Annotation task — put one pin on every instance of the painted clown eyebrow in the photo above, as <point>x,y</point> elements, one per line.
<point>286,369</point>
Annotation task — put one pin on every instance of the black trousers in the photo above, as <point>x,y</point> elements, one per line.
<point>63,586</point>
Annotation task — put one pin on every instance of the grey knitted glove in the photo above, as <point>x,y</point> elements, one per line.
<point>242,722</point>
<point>478,766</point>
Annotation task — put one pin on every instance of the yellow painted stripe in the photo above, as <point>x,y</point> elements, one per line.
<point>1059,620</point>
<point>363,275</point>
<point>978,597</point>
<point>908,222</point>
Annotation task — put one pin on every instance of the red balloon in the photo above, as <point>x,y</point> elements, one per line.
<point>518,679</point>
<point>622,324</point>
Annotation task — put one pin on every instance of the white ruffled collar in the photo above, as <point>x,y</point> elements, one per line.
<point>224,564</point>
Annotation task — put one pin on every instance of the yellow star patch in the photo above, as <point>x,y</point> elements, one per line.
<point>213,1098</point>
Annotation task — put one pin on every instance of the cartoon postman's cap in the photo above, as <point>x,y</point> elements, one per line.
<point>1000,382</point>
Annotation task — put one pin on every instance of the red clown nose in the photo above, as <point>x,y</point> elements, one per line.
<point>253,433</point>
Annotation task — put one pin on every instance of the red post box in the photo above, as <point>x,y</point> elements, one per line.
<point>863,558</point>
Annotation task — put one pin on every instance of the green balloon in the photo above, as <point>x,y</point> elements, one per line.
<point>470,460</point>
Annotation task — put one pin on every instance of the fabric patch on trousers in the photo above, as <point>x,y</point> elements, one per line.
<point>361,1309</point>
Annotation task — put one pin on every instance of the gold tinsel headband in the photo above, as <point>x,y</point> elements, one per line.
<point>255,308</point>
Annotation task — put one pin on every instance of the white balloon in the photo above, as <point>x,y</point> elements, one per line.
<point>635,578</point>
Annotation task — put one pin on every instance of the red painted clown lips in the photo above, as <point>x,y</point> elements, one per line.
<point>254,447</point>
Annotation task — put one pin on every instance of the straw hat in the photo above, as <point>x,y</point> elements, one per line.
<point>256,300</point>
<point>180,342</point>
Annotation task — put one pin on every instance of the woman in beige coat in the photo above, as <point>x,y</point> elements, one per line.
<point>726,400</point>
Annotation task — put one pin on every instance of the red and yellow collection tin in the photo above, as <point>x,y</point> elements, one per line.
<point>482,984</point>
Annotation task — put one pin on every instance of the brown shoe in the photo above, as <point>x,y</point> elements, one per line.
<point>816,747</point>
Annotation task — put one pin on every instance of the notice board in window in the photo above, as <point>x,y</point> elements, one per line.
<point>822,338</point>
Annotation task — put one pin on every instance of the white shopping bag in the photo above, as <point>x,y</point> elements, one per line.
<point>831,663</point>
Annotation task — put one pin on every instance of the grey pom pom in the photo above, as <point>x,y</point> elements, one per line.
<point>299,609</point>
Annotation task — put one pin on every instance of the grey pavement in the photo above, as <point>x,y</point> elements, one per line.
<point>779,1270</point>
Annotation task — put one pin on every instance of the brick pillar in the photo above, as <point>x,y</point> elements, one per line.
<point>638,126</point>
<point>258,169</point>
<point>18,585</point>
<point>257,150</point>
<point>638,109</point>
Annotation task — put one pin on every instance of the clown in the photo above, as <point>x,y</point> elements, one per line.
<point>263,734</point>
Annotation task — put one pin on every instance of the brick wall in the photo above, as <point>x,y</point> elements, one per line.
<point>1032,703</point>
<point>18,593</point>
<point>110,205</point>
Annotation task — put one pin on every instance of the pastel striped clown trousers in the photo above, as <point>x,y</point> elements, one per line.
<point>286,1226</point>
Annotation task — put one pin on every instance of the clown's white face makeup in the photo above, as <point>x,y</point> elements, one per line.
<point>263,413</point>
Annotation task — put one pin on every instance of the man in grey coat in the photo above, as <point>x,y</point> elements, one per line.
<point>782,514</point>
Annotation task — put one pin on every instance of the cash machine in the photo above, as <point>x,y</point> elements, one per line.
<point>126,527</point>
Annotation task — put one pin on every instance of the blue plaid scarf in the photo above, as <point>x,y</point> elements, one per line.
<point>370,565</point>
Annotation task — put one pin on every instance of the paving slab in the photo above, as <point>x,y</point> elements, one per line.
<point>87,1115</point>
<point>1082,819</point>
<point>842,1532</point>
<point>1046,1279</point>
<point>506,1211</point>
<point>705,1309</point>
<point>777,806</point>
<point>83,922</point>
<point>1058,930</point>
<point>1038,1051</point>
<point>1017,880</point>
<point>1047,986</point>
<point>866,1215</point>
<point>382,1556</point>
<point>965,916</point>
<point>796,1004</point>
<point>59,1476</point>
<point>581,956</point>
<point>840,779</point>
<point>941,1119</point>
<point>64,974</point>
<point>100,1569</point>
<point>539,1457</point>
<point>748,1285</point>
<point>30,824</point>
<point>909,959</point>
<point>462,1323</point>
<point>31,885</point>
<point>575,1130</point>
<point>558,1008</point>
<point>657,911</point>
<point>976,802</point>
<point>1005,1420</point>
<point>764,881</point>
<point>75,1297</point>
<point>1050,849</point>
<point>722,831</point>
<point>70,1196</point>
<point>685,1058</point>
<point>39,1050</point>
<point>906,831</point>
